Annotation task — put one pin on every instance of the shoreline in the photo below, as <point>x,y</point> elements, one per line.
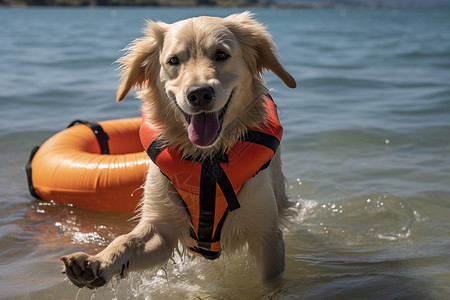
<point>219,4</point>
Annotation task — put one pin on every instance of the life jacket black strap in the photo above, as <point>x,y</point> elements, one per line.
<point>203,246</point>
<point>207,199</point>
<point>211,174</point>
<point>227,189</point>
<point>261,138</point>
<point>156,147</point>
<point>101,135</point>
<point>211,255</point>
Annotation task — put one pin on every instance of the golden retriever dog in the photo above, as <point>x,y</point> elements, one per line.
<point>201,83</point>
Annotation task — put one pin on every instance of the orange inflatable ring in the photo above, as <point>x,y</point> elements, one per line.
<point>99,166</point>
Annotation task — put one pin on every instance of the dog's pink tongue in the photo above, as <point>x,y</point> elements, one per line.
<point>203,128</point>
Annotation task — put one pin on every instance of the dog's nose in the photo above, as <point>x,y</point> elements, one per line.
<point>200,96</point>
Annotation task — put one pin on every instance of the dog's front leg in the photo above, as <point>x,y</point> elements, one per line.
<point>150,244</point>
<point>139,249</point>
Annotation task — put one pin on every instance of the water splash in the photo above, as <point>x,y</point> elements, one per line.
<point>403,233</point>
<point>358,221</point>
<point>305,209</point>
<point>92,296</point>
<point>88,238</point>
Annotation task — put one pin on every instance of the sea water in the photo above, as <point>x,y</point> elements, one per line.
<point>366,150</point>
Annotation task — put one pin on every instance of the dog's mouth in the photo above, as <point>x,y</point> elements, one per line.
<point>205,127</point>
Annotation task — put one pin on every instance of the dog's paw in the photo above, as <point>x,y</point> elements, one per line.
<point>84,270</point>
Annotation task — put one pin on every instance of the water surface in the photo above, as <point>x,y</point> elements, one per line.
<point>366,152</point>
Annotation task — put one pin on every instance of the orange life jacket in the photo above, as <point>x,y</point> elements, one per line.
<point>197,181</point>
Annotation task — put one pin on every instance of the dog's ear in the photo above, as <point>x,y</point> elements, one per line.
<point>141,62</point>
<point>259,50</point>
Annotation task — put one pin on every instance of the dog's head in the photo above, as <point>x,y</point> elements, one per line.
<point>202,75</point>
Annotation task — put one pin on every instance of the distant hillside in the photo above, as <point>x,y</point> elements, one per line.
<point>290,3</point>
<point>365,3</point>
<point>130,2</point>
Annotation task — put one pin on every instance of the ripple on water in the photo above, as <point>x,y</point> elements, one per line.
<point>362,220</point>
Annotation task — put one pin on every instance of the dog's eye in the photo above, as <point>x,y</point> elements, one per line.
<point>221,56</point>
<point>174,61</point>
